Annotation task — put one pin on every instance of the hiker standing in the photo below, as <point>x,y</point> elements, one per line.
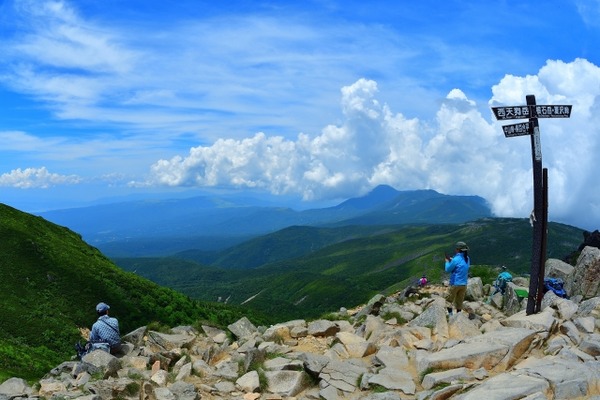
<point>105,331</point>
<point>458,267</point>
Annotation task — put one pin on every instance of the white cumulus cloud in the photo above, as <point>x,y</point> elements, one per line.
<point>461,151</point>
<point>40,178</point>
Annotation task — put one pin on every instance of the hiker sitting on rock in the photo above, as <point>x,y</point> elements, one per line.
<point>502,281</point>
<point>105,331</point>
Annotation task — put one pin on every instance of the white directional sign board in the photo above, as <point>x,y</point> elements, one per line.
<point>537,111</point>
<point>541,111</point>
<point>517,112</point>
<point>521,129</point>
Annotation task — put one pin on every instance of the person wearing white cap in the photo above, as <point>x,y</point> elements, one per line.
<point>105,331</point>
<point>458,267</point>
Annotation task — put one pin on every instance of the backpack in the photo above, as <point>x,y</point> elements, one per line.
<point>88,347</point>
<point>556,285</point>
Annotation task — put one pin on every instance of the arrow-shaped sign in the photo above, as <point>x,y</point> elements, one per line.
<point>537,111</point>
<point>520,129</point>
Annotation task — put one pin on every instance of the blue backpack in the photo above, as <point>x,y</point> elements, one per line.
<point>556,285</point>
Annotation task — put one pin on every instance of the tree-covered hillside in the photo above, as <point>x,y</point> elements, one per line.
<point>51,282</point>
<point>305,272</point>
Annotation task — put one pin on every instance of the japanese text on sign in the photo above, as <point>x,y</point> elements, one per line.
<point>521,129</point>
<point>518,112</point>
<point>538,111</point>
<point>552,111</point>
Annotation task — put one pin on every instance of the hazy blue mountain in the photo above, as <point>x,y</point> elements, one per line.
<point>209,223</point>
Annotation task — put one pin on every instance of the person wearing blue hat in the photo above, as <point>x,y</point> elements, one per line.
<point>105,331</point>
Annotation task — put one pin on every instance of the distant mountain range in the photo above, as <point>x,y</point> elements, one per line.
<point>52,279</point>
<point>162,227</point>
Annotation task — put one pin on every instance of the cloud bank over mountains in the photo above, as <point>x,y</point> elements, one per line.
<point>461,151</point>
<point>126,97</point>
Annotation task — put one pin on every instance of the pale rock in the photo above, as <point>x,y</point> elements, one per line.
<point>163,393</point>
<point>177,366</point>
<point>322,327</point>
<point>394,379</point>
<point>227,369</point>
<point>169,342</point>
<point>516,340</point>
<point>424,344</point>
<point>356,346</point>
<point>286,383</point>
<point>48,387</point>
<point>543,322</point>
<point>283,364</point>
<point>299,331</point>
<point>392,357</point>
<point>567,378</point>
<point>470,355</point>
<point>507,386</point>
<point>107,363</point>
<point>374,328</point>
<point>574,354</point>
<point>243,328</point>
<point>569,329</point>
<point>184,372</point>
<point>249,382</point>
<point>337,351</point>
<point>137,362</point>
<point>277,333</point>
<point>461,327</point>
<point>555,344</point>
<point>591,345</point>
<point>184,391</point>
<point>343,375</point>
<point>585,324</point>
<point>555,268</point>
<point>329,392</point>
<point>585,280</point>
<point>225,387</point>
<point>434,317</point>
<point>446,392</point>
<point>449,376</point>
<point>16,387</point>
<point>160,377</point>
<point>474,289</point>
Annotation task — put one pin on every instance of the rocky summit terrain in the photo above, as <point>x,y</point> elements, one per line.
<point>404,346</point>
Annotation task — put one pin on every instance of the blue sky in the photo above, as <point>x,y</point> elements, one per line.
<point>314,100</point>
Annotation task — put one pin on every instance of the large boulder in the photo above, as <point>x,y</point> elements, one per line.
<point>585,279</point>
<point>558,269</point>
<point>474,289</point>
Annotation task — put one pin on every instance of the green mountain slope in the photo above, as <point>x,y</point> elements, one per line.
<point>291,242</point>
<point>347,273</point>
<point>51,282</point>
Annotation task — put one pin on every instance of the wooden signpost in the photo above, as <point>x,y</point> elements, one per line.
<point>539,216</point>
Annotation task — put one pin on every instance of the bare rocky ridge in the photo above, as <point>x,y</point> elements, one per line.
<point>396,347</point>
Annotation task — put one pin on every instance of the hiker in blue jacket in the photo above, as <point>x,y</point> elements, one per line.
<point>458,267</point>
<point>105,331</point>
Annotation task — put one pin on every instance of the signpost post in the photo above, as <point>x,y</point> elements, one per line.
<point>539,215</point>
